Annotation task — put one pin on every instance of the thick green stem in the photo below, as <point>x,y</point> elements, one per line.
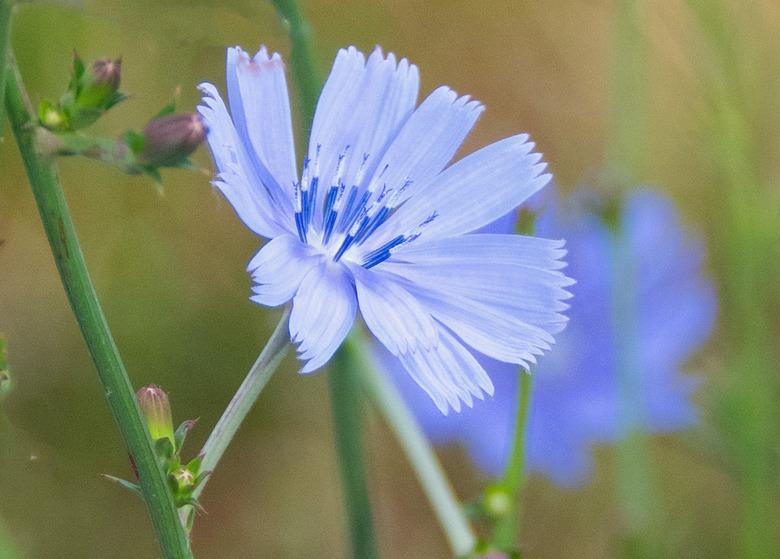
<point>117,389</point>
<point>417,448</point>
<point>346,400</point>
<point>5,45</point>
<point>307,77</point>
<point>239,407</point>
<point>506,534</point>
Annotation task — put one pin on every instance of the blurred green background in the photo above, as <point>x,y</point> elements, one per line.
<point>680,94</point>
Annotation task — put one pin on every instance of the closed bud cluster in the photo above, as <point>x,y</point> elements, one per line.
<point>90,93</point>
<point>169,140</point>
<point>157,411</point>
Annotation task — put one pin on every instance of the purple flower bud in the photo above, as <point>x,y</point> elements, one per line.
<point>169,140</point>
<point>157,411</point>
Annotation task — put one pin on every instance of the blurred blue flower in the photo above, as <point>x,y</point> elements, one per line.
<point>577,397</point>
<point>377,222</point>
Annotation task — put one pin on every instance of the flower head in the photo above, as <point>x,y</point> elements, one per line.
<point>577,398</point>
<point>377,221</point>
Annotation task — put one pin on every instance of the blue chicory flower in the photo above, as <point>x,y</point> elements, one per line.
<point>378,222</point>
<point>577,398</point>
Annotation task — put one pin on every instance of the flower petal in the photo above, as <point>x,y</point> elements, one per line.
<point>427,142</point>
<point>322,314</point>
<point>473,192</point>
<point>257,90</point>
<point>361,109</point>
<point>437,362</point>
<point>501,294</point>
<point>236,179</point>
<point>279,268</point>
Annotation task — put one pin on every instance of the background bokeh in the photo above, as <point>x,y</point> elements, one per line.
<point>684,95</point>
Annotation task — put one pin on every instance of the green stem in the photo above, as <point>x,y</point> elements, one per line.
<point>307,77</point>
<point>243,401</point>
<point>6,7</point>
<point>67,253</point>
<point>636,483</point>
<point>506,533</point>
<point>417,448</point>
<point>346,397</point>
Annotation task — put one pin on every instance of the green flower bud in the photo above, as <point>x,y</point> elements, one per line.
<point>169,140</point>
<point>497,501</point>
<point>185,479</point>
<point>100,87</point>
<point>157,411</point>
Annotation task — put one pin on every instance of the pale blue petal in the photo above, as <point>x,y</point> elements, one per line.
<point>361,109</point>
<point>265,118</point>
<point>436,361</point>
<point>322,314</point>
<point>511,284</point>
<point>279,268</point>
<point>473,192</point>
<point>236,177</point>
<point>426,143</point>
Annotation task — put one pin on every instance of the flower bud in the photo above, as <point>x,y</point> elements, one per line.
<point>100,86</point>
<point>157,411</point>
<point>497,501</point>
<point>185,479</point>
<point>169,140</point>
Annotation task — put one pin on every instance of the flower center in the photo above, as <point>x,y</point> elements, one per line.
<point>349,216</point>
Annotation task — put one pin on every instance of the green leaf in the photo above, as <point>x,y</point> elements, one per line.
<point>129,485</point>
<point>181,433</point>
<point>168,109</point>
<point>164,450</point>
<point>134,140</point>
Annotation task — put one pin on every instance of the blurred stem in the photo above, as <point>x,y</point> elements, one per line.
<point>628,133</point>
<point>747,230</point>
<point>346,399</point>
<point>118,391</point>
<point>507,530</point>
<point>243,401</point>
<point>307,77</point>
<point>637,491</point>
<point>7,547</point>
<point>5,43</point>
<point>418,450</point>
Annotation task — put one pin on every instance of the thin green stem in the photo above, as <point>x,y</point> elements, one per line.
<point>506,533</point>
<point>636,483</point>
<point>417,448</point>
<point>240,405</point>
<point>346,399</point>
<point>6,7</point>
<point>118,391</point>
<point>305,72</point>
<point>246,396</point>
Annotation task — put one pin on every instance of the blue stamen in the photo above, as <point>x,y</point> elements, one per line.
<point>382,253</point>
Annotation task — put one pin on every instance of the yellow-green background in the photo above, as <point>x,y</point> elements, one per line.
<point>169,267</point>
